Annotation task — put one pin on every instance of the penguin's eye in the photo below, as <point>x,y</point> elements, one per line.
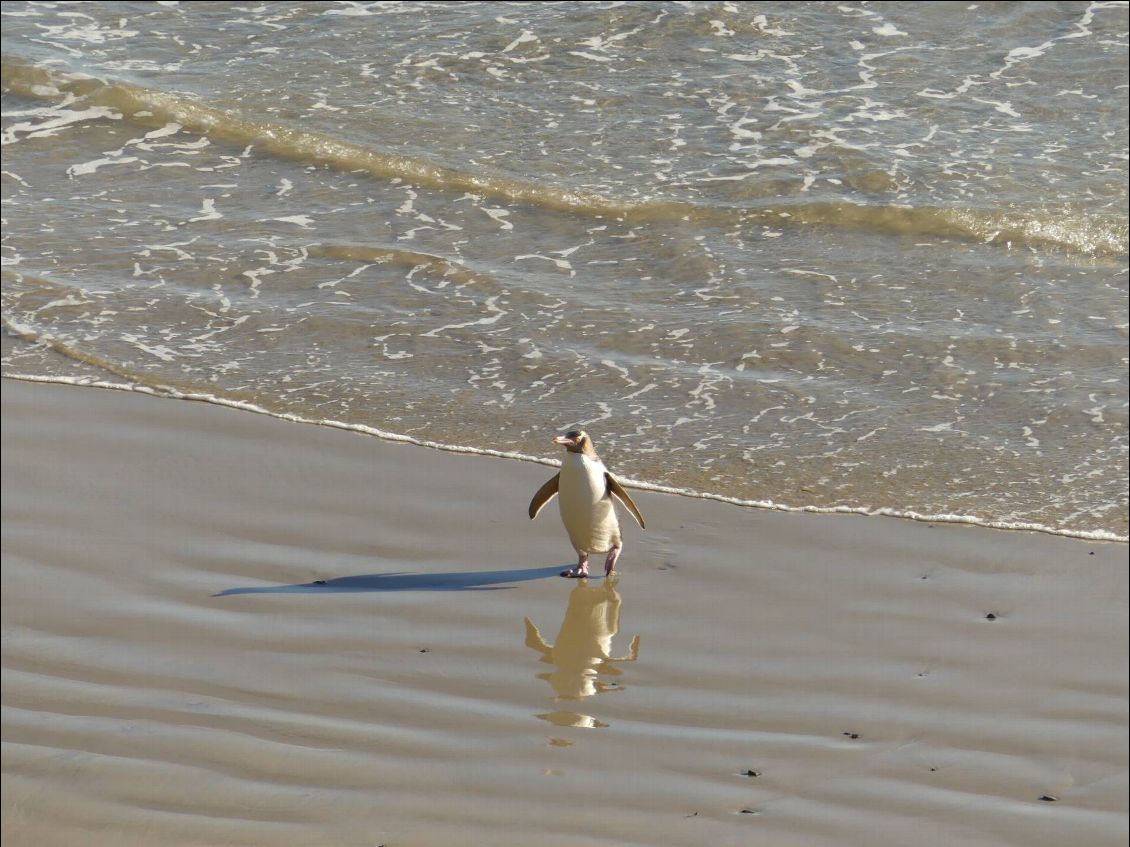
<point>574,434</point>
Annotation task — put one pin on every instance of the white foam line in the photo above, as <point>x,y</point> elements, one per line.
<point>56,119</point>
<point>172,393</point>
<point>91,167</point>
<point>498,313</point>
<point>207,212</point>
<point>499,216</point>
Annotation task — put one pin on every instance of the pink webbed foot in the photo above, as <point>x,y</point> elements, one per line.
<point>579,570</point>
<point>575,573</point>
<point>610,562</point>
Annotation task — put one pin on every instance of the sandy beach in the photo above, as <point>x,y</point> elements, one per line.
<point>221,628</point>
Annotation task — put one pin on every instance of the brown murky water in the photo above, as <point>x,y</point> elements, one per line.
<point>859,257</point>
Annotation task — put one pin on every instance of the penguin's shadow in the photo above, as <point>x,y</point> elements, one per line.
<point>400,581</point>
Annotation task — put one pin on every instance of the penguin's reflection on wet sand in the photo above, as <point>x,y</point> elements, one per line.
<point>582,653</point>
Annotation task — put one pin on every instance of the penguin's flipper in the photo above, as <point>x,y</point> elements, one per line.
<point>546,493</point>
<point>614,487</point>
<point>535,642</point>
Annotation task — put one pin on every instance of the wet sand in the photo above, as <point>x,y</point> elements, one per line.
<point>221,628</point>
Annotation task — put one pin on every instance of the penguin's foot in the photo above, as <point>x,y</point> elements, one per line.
<point>610,562</point>
<point>579,570</point>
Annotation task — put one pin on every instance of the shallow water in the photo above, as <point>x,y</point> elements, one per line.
<point>860,257</point>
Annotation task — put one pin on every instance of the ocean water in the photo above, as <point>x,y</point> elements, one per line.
<point>833,256</point>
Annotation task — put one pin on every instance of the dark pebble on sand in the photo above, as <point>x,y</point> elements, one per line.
<point>319,582</point>
<point>852,735</point>
<point>1047,798</point>
<point>749,811</point>
<point>425,650</point>
<point>751,773</point>
<point>990,617</point>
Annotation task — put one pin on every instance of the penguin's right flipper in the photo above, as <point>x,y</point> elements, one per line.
<point>546,493</point>
<point>535,642</point>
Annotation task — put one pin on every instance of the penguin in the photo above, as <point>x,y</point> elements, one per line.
<point>585,489</point>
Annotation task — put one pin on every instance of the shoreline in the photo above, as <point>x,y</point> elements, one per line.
<point>162,392</point>
<point>220,628</point>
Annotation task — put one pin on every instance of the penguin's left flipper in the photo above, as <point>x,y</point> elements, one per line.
<point>546,493</point>
<point>615,488</point>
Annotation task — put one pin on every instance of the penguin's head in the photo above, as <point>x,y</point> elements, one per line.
<point>575,441</point>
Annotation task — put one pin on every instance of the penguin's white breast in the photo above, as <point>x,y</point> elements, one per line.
<point>586,511</point>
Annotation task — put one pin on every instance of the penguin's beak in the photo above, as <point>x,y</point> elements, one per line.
<point>563,439</point>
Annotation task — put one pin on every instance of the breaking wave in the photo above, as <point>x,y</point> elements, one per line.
<point>1061,229</point>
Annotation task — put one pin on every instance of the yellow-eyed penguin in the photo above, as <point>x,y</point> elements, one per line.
<point>584,489</point>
